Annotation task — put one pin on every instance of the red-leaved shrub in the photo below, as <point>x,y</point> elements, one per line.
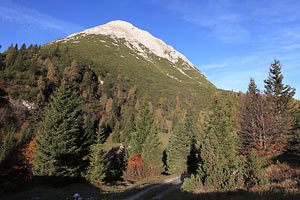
<point>135,169</point>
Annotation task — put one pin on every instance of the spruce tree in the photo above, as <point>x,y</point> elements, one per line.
<point>275,88</point>
<point>220,164</point>
<point>98,160</point>
<point>252,87</point>
<point>98,164</point>
<point>89,130</point>
<point>152,151</point>
<point>282,96</point>
<point>144,122</point>
<point>58,151</point>
<point>178,149</point>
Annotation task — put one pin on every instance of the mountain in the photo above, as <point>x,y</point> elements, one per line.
<point>157,69</point>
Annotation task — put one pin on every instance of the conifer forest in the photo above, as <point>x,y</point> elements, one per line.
<point>68,121</point>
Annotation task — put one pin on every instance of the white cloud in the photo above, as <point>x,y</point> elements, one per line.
<point>15,13</point>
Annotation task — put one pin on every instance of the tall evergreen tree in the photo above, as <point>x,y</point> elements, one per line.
<point>220,164</point>
<point>190,126</point>
<point>252,87</point>
<point>178,149</point>
<point>98,164</point>
<point>58,151</point>
<point>282,96</point>
<point>98,169</point>
<point>144,122</point>
<point>152,151</point>
<point>275,88</point>
<point>89,130</point>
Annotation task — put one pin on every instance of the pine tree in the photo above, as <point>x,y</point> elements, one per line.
<point>178,149</point>
<point>282,96</point>
<point>220,164</point>
<point>98,169</point>
<point>152,151</point>
<point>252,87</point>
<point>191,130</point>
<point>212,159</point>
<point>58,151</point>
<point>275,88</point>
<point>98,164</point>
<point>89,130</point>
<point>144,122</point>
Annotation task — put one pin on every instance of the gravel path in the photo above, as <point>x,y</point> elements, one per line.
<point>176,181</point>
<point>167,181</point>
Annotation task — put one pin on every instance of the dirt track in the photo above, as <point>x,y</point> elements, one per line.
<point>173,182</point>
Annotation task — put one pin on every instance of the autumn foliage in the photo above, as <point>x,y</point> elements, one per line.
<point>28,154</point>
<point>135,169</point>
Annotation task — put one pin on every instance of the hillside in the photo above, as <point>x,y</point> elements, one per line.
<point>158,71</point>
<point>117,111</point>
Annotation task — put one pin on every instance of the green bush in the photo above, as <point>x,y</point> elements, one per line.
<point>255,173</point>
<point>191,184</point>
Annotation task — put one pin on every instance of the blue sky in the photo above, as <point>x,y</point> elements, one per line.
<point>228,40</point>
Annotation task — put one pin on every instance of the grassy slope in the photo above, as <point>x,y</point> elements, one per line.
<point>149,76</point>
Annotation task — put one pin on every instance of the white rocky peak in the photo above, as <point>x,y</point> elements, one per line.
<point>135,36</point>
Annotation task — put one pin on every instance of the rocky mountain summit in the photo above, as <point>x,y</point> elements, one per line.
<point>137,39</point>
<point>148,62</point>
